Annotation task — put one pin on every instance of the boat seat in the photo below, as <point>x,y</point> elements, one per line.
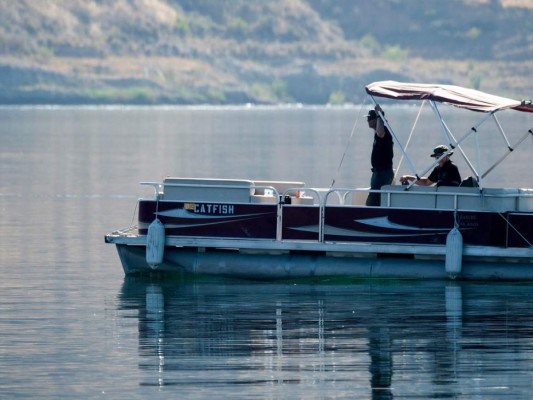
<point>462,197</point>
<point>469,198</point>
<point>500,199</point>
<point>525,200</point>
<point>280,186</point>
<point>415,197</point>
<point>263,199</point>
<point>207,190</point>
<point>263,193</point>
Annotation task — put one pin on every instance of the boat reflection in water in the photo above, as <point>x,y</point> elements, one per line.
<point>363,339</point>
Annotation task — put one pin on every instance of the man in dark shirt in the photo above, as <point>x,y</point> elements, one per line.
<point>381,158</point>
<point>444,174</point>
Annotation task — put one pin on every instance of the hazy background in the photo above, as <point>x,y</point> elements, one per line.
<point>240,51</point>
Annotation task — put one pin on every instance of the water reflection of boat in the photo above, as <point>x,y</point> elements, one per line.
<point>364,337</point>
<point>278,230</point>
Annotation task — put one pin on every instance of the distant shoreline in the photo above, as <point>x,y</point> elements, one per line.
<point>59,81</point>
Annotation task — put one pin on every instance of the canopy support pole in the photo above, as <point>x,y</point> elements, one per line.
<point>410,136</point>
<point>446,133</point>
<point>450,138</point>
<point>511,149</point>
<point>474,128</point>
<point>478,157</point>
<point>501,131</point>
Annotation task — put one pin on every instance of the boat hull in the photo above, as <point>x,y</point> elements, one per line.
<point>303,264</point>
<point>407,237</point>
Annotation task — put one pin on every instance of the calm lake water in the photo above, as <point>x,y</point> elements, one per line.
<point>72,326</point>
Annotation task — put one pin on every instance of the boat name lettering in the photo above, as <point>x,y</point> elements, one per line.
<point>468,221</point>
<point>213,209</point>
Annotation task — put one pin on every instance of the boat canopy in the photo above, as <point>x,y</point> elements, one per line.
<point>454,95</point>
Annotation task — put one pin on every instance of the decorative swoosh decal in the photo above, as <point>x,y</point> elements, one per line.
<point>308,228</point>
<point>384,222</point>
<point>199,224</point>
<point>332,230</point>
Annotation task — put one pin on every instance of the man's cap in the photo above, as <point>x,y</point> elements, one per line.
<point>372,115</point>
<point>440,150</point>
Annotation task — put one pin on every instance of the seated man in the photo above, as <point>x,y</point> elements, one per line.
<point>444,174</point>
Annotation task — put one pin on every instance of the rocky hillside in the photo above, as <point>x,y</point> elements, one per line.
<point>210,51</point>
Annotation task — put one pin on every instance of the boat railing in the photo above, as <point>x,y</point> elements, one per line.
<point>359,196</point>
<point>445,197</point>
<point>466,198</point>
<point>497,199</point>
<point>158,188</point>
<point>394,196</point>
<point>239,191</point>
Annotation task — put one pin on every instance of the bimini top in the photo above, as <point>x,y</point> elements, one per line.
<point>454,95</point>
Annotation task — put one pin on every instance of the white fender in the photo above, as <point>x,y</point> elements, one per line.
<point>454,253</point>
<point>155,244</point>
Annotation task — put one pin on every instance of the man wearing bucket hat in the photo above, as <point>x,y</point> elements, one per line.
<point>381,158</point>
<point>444,174</point>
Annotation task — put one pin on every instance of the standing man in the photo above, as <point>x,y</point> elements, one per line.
<point>382,154</point>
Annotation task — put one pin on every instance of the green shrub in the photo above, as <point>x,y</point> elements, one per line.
<point>181,26</point>
<point>371,43</point>
<point>394,53</point>
<point>337,98</point>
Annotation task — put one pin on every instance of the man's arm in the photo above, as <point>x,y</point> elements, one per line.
<point>422,181</point>
<point>380,126</point>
